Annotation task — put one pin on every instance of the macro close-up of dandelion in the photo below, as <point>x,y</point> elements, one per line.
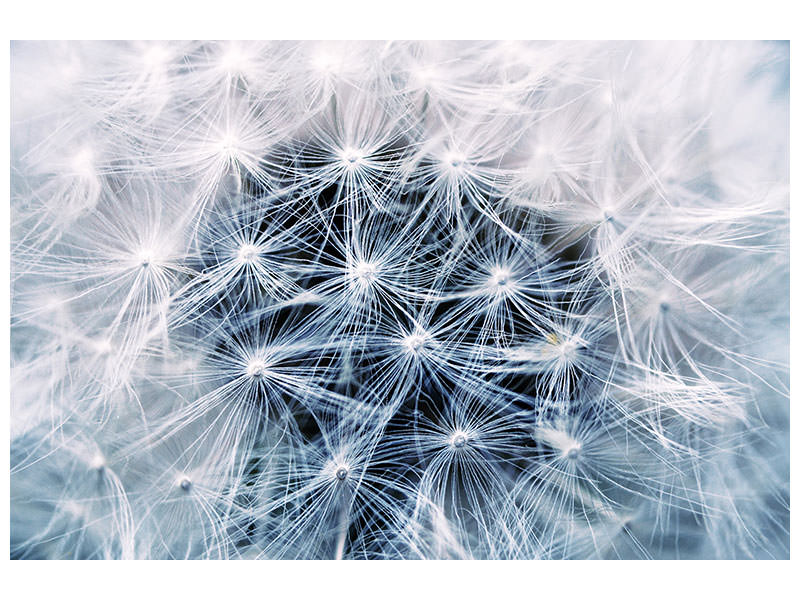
<point>399,300</point>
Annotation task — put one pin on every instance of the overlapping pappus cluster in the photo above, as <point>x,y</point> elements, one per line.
<point>399,300</point>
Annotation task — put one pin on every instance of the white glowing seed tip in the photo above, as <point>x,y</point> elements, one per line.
<point>567,349</point>
<point>364,273</point>
<point>229,146</point>
<point>341,473</point>
<point>571,450</point>
<point>566,445</point>
<point>247,253</point>
<point>500,277</point>
<point>256,368</point>
<point>607,216</point>
<point>352,157</point>
<point>145,260</point>
<point>413,343</point>
<point>459,440</point>
<point>98,463</point>
<point>454,160</point>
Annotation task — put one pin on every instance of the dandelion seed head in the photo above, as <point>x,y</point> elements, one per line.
<point>606,94</point>
<point>500,279</point>
<point>256,368</point>
<point>363,274</point>
<point>567,446</point>
<point>413,343</point>
<point>408,300</point>
<point>70,70</point>
<point>454,162</point>
<point>607,215</point>
<point>144,259</point>
<point>352,159</point>
<point>424,74</point>
<point>229,146</point>
<point>459,439</point>
<point>567,349</point>
<point>97,462</point>
<point>247,254</point>
<point>541,165</point>
<point>329,58</point>
<point>660,303</point>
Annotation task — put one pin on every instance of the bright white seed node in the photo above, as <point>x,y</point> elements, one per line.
<point>500,278</point>
<point>98,463</point>
<point>414,342</point>
<point>76,509</point>
<point>145,259</point>
<point>454,161</point>
<point>607,216</point>
<point>607,95</point>
<point>352,157</point>
<point>248,253</point>
<point>229,146</point>
<point>342,473</point>
<point>256,368</point>
<point>424,74</point>
<point>364,273</point>
<point>567,349</point>
<point>459,439</point>
<point>567,445</point>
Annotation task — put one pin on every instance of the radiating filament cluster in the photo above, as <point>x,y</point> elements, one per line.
<point>407,300</point>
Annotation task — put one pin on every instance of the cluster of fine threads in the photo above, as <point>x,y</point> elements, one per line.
<point>339,300</point>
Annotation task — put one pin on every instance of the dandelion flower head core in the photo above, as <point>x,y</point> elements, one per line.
<point>404,300</point>
<point>256,368</point>
<point>352,157</point>
<point>413,343</point>
<point>459,439</point>
<point>363,274</point>
<point>247,254</point>
<point>501,279</point>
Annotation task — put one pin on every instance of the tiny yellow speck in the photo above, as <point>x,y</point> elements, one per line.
<point>552,338</point>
